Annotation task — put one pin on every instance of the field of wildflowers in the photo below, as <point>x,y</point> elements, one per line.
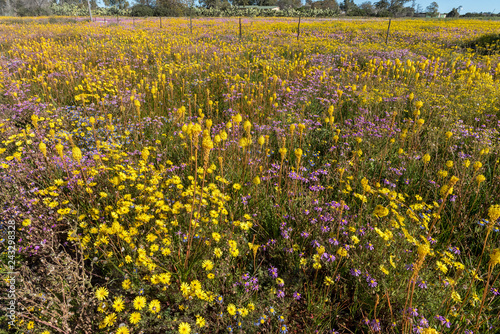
<point>180,180</point>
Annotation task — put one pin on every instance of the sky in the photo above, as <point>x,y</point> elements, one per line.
<point>445,6</point>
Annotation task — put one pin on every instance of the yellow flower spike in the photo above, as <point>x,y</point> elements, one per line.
<point>145,154</point>
<point>494,213</point>
<point>494,257</point>
<point>301,128</point>
<point>298,154</point>
<point>76,154</point>
<point>477,165</point>
<point>247,126</point>
<point>256,181</point>
<point>426,158</point>
<point>261,141</point>
<point>448,135</point>
<point>43,148</point>
<point>282,151</point>
<point>330,110</point>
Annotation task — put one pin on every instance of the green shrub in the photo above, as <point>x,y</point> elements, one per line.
<point>141,11</point>
<point>485,45</point>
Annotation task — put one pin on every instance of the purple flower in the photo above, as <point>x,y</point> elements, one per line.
<point>369,246</point>
<point>424,322</point>
<point>355,272</point>
<point>422,284</point>
<point>297,295</point>
<point>413,312</point>
<point>273,272</point>
<point>372,283</point>
<point>375,325</point>
<point>280,294</point>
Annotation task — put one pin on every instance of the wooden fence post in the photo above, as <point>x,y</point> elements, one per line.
<point>298,29</point>
<point>160,22</point>
<point>387,36</point>
<point>240,29</point>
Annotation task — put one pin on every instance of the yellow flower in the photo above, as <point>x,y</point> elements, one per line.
<point>101,293</point>
<point>118,304</point>
<point>122,330</point>
<point>184,328</point>
<point>256,180</point>
<point>110,319</point>
<point>216,236</point>
<point>383,269</point>
<point>231,309</point>
<point>380,211</point>
<point>154,306</point>
<point>328,281</point>
<point>135,318</point>
<point>139,302</point>
<point>442,267</point>
<point>207,265</point>
<point>456,297</point>
<point>342,252</point>
<point>480,178</point>
<point>126,284</point>
<point>200,321</point>
<point>236,186</point>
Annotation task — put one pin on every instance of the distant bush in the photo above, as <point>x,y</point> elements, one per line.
<point>26,11</point>
<point>69,10</point>
<point>253,12</point>
<point>485,45</point>
<point>141,10</point>
<point>174,10</point>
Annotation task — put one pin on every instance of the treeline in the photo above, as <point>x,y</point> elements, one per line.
<point>224,8</point>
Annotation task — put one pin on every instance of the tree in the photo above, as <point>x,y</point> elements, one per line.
<point>325,4</point>
<point>150,3</point>
<point>396,7</point>
<point>31,7</point>
<point>348,6</point>
<point>367,8</point>
<point>433,9</point>
<point>288,4</point>
<point>453,13</point>
<point>121,4</point>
